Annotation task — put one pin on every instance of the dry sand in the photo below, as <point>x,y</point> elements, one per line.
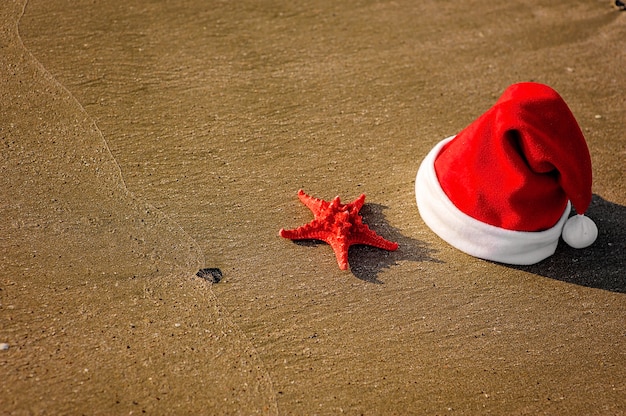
<point>144,140</point>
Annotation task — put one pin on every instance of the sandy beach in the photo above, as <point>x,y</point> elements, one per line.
<point>142,141</point>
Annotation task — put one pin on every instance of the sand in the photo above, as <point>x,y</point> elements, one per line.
<point>142,141</point>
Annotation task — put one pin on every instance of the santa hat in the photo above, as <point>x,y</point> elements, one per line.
<point>502,189</point>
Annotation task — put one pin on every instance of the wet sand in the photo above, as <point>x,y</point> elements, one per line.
<point>143,141</point>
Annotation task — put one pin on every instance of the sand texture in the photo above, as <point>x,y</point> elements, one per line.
<point>143,140</point>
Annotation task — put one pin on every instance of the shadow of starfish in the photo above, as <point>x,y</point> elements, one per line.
<point>366,262</point>
<point>600,266</point>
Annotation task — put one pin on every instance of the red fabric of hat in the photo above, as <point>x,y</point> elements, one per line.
<point>517,165</point>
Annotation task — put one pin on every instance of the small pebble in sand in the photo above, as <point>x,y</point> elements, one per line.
<point>213,275</point>
<point>4,346</point>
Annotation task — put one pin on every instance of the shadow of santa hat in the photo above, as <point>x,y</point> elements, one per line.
<point>502,189</point>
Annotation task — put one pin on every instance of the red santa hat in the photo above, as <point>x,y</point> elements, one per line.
<point>502,189</point>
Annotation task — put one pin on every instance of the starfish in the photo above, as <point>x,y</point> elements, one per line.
<point>339,225</point>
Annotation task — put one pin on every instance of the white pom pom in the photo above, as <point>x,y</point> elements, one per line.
<point>580,231</point>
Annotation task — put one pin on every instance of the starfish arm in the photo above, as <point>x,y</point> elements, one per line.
<point>358,203</point>
<point>368,237</point>
<point>341,253</point>
<point>316,205</point>
<point>310,231</point>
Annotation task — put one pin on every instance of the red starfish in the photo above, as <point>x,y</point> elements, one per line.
<point>338,225</point>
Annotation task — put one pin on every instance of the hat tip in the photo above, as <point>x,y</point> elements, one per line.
<point>579,231</point>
